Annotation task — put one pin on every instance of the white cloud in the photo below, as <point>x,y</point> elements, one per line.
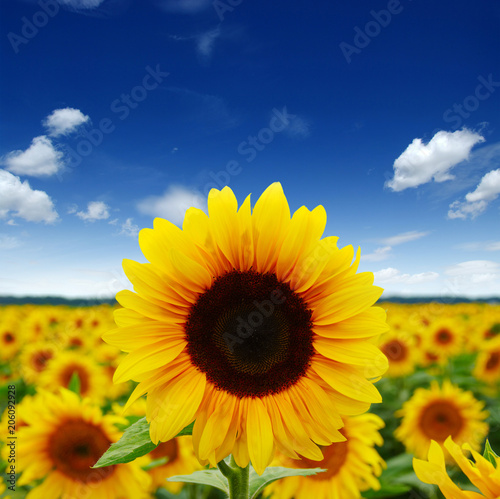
<point>474,277</point>
<point>172,205</point>
<point>476,201</point>
<point>392,276</point>
<point>421,163</point>
<point>8,242</point>
<point>205,43</point>
<point>23,201</point>
<point>41,159</point>
<point>378,255</point>
<point>64,121</point>
<point>11,222</point>
<point>185,6</point>
<point>129,229</point>
<point>81,4</point>
<point>403,238</point>
<point>96,210</point>
<point>298,128</point>
<point>478,246</point>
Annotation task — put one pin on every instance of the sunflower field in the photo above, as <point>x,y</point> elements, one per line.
<point>261,365</point>
<point>443,379</point>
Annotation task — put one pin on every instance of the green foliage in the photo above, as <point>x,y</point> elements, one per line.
<point>134,443</point>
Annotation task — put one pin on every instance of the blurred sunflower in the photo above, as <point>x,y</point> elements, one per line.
<point>266,325</point>
<point>61,368</point>
<point>180,460</point>
<point>444,338</point>
<point>399,348</point>
<point>10,338</point>
<point>351,466</point>
<point>64,437</point>
<point>482,473</point>
<point>34,359</point>
<point>437,413</point>
<point>488,362</point>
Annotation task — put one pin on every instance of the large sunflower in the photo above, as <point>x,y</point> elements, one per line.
<point>62,439</point>
<point>252,325</point>
<point>438,413</point>
<point>482,473</point>
<point>351,467</point>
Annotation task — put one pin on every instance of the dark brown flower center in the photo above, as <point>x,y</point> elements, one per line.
<point>334,457</point>
<point>82,373</point>
<point>493,361</point>
<point>250,334</point>
<point>395,351</point>
<point>75,446</point>
<point>8,337</point>
<point>439,420</point>
<point>444,336</point>
<point>40,358</point>
<point>169,449</point>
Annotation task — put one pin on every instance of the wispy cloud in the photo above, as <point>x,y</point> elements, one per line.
<point>96,210</point>
<point>477,201</point>
<point>393,276</point>
<point>404,237</point>
<point>9,242</point>
<point>298,128</point>
<point>421,163</point>
<point>204,42</point>
<point>474,277</point>
<point>129,229</point>
<point>173,204</point>
<point>41,159</point>
<point>378,255</point>
<point>18,199</point>
<point>64,121</point>
<point>385,252</point>
<point>185,6</point>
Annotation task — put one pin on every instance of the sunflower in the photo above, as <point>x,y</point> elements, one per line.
<point>64,437</point>
<point>399,348</point>
<point>265,325</point>
<point>482,473</point>
<point>488,362</point>
<point>62,367</point>
<point>440,412</point>
<point>351,466</point>
<point>34,359</point>
<point>10,338</point>
<point>444,338</point>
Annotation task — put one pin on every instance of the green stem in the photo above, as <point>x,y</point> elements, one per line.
<point>237,478</point>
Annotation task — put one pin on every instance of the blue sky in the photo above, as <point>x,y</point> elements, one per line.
<point>117,111</point>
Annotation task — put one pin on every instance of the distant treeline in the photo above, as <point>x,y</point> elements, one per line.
<point>88,302</point>
<point>54,300</point>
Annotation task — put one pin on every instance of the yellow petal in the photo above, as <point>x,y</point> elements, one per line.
<point>346,379</point>
<point>169,410</point>
<point>259,434</point>
<point>148,358</point>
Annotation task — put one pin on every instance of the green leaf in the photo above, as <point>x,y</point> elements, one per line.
<point>386,491</point>
<point>214,478</point>
<point>490,454</point>
<point>135,442</point>
<point>257,483</point>
<point>155,463</point>
<point>74,383</point>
